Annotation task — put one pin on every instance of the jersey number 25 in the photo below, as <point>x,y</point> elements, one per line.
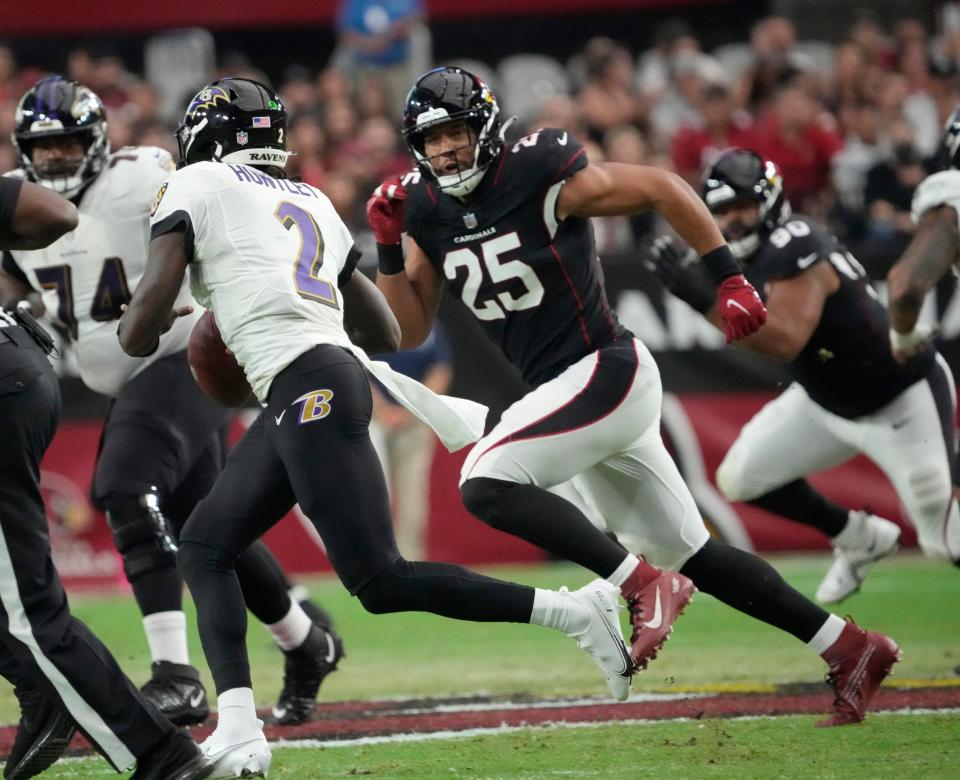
<point>499,271</point>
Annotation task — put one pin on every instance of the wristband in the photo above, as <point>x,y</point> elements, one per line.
<point>390,258</point>
<point>720,263</point>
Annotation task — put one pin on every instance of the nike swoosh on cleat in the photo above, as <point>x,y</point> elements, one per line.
<point>196,699</point>
<point>624,655</point>
<point>657,613</point>
<point>331,650</point>
<point>279,712</point>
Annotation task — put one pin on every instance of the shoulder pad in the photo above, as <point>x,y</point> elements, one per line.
<point>549,154</point>
<point>794,247</point>
<point>939,189</point>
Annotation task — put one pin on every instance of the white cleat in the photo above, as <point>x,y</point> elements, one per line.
<point>866,539</point>
<point>602,639</point>
<point>236,754</point>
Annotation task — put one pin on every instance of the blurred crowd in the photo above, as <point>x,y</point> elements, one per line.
<point>854,126</point>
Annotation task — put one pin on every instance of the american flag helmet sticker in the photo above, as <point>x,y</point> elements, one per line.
<point>261,122</point>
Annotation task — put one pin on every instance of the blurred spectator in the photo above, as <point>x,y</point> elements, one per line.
<point>802,139</point>
<point>862,151</point>
<point>375,40</point>
<point>849,77</point>
<point>297,90</point>
<point>405,445</point>
<point>607,98</point>
<point>696,146</point>
<point>868,35</point>
<point>306,137</point>
<point>559,111</point>
<point>775,59</point>
<point>10,86</point>
<point>928,108</point>
<point>681,104</point>
<point>672,37</point>
<point>889,189</point>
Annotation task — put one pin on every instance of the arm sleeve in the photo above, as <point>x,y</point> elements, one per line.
<point>9,194</point>
<point>353,257</point>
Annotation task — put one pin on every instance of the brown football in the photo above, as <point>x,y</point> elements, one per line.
<point>215,369</point>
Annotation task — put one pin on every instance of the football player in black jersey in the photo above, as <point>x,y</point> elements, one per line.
<point>507,227</point>
<point>850,395</point>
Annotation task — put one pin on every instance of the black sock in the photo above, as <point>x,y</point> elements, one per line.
<point>752,586</point>
<point>799,502</point>
<point>544,519</point>
<point>446,589</point>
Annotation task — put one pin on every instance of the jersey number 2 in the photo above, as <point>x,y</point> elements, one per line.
<point>310,257</point>
<point>111,292</point>
<point>499,271</point>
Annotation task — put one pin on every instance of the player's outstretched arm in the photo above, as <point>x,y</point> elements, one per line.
<point>367,317</point>
<point>933,249</point>
<point>609,189</point>
<point>151,311</point>
<point>616,188</point>
<point>31,216</point>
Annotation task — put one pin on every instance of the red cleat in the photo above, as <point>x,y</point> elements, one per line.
<point>654,607</point>
<point>859,662</point>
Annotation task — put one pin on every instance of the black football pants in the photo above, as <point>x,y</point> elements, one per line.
<point>39,638</point>
<point>311,445</point>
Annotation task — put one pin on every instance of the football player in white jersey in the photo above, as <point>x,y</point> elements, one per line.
<point>161,448</point>
<point>276,264</point>
<point>935,247</point>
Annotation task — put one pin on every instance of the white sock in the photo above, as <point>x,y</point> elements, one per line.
<point>624,570</point>
<point>828,634</point>
<point>559,610</point>
<point>236,710</point>
<point>292,629</point>
<point>167,636</point>
<point>298,593</point>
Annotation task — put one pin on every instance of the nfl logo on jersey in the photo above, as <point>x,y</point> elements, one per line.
<point>242,137</point>
<point>470,220</point>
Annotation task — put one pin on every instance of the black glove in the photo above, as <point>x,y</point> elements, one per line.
<point>681,273</point>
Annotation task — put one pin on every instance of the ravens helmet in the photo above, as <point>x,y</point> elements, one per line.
<point>740,176</point>
<point>951,139</point>
<point>234,120</point>
<point>56,107</point>
<point>448,94</point>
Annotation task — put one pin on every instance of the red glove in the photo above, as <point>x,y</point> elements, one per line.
<point>739,307</point>
<point>385,211</point>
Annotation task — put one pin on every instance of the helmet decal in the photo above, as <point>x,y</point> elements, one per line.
<point>208,97</point>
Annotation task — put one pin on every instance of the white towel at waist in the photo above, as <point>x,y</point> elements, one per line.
<point>456,421</point>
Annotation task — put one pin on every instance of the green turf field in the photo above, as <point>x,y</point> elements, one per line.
<point>419,655</point>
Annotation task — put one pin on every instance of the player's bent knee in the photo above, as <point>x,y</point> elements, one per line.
<point>195,558</point>
<point>384,593</point>
<point>484,498</point>
<point>141,533</point>
<point>731,477</point>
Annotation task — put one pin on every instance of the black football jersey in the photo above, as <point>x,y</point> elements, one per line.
<point>846,366</point>
<point>535,285</point>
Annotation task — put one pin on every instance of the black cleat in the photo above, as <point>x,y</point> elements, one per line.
<point>303,670</point>
<point>43,734</point>
<point>176,757</point>
<point>176,690</point>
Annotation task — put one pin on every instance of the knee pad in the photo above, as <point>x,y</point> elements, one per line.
<point>140,533</point>
<point>380,594</point>
<point>482,496</point>
<point>730,476</point>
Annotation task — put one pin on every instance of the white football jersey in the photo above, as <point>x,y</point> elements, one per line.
<point>267,257</point>
<point>938,189</point>
<point>86,274</point>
